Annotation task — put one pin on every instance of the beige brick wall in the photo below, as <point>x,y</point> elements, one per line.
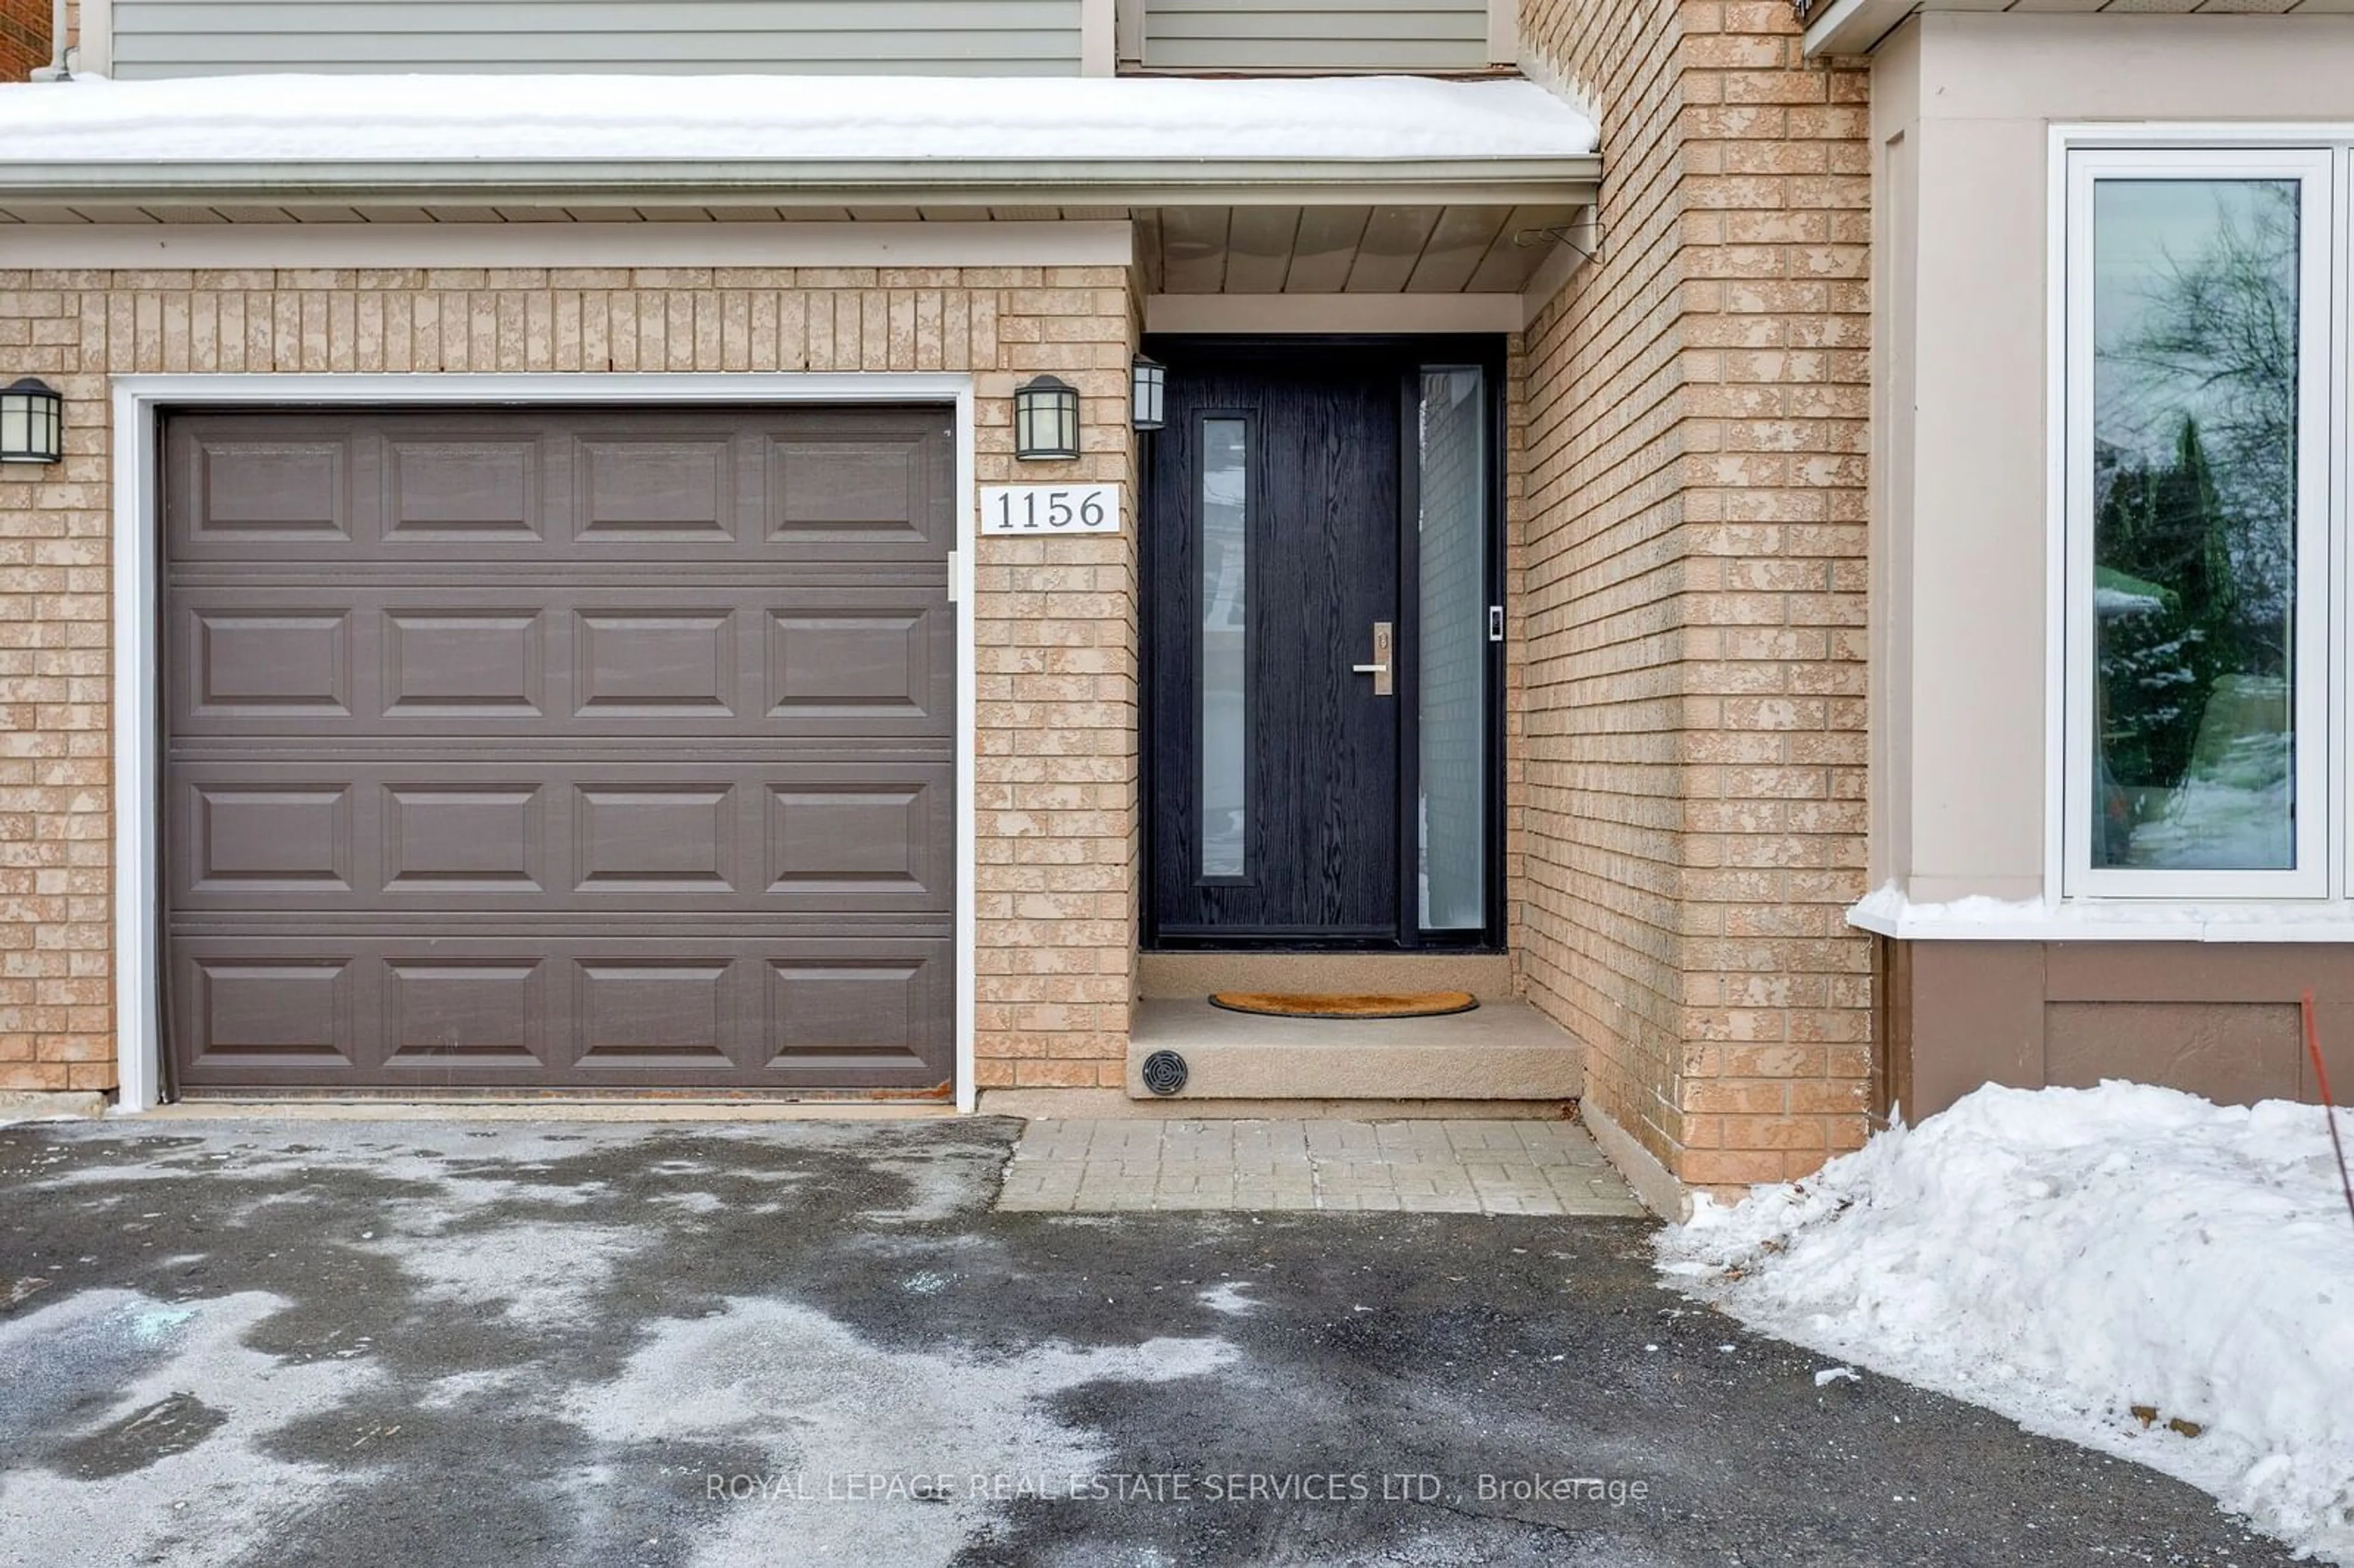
<point>23,37</point>
<point>1056,786</point>
<point>1691,563</point>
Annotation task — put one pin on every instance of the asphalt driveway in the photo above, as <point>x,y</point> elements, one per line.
<point>374,1343</point>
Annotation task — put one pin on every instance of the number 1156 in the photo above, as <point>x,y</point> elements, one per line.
<point>1044,509</point>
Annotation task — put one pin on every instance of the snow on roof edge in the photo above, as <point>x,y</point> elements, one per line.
<point>950,120</point>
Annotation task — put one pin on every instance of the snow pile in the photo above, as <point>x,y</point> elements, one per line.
<point>2066,1255</point>
<point>1066,121</point>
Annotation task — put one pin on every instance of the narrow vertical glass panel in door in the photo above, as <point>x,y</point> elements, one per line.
<point>1225,648</point>
<point>1452,550</point>
<point>2195,381</point>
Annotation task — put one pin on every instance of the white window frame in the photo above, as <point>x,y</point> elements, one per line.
<point>2316,656</point>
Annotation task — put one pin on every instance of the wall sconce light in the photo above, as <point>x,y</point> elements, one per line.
<point>1149,392</point>
<point>1045,420</point>
<point>32,423</point>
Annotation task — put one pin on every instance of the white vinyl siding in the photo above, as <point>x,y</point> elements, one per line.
<point>1315,35</point>
<point>969,37</point>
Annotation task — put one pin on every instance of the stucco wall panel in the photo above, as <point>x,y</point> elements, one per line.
<point>2022,67</point>
<point>1962,494</point>
<point>1977,723</point>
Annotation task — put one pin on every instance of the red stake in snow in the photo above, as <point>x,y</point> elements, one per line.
<point>2329,1110</point>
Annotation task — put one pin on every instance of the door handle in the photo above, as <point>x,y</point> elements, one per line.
<point>1380,668</point>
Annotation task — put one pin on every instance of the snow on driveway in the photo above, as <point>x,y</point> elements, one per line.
<point>2128,1267</point>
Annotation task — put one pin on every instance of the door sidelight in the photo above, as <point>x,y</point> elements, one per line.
<point>1380,668</point>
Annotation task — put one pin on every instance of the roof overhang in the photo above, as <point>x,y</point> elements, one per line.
<point>1858,26</point>
<point>1332,200</point>
<point>1853,27</point>
<point>641,183</point>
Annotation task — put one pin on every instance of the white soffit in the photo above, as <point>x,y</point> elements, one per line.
<point>1857,27</point>
<point>553,134</point>
<point>1357,249</point>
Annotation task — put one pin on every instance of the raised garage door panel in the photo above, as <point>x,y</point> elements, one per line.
<point>564,840</point>
<point>353,657</point>
<point>561,750</point>
<point>818,1009</point>
<point>673,489</point>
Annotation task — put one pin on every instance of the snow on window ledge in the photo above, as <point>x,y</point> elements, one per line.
<point>1889,913</point>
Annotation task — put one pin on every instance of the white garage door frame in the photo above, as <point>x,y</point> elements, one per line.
<point>137,664</point>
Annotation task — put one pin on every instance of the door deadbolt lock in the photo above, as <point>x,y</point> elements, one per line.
<point>1384,638</point>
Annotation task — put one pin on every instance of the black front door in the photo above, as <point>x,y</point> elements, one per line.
<point>1273,563</point>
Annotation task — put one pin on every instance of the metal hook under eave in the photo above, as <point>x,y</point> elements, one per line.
<point>1584,236</point>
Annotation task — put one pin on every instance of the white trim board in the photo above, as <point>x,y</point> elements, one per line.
<point>1099,37</point>
<point>2055,523</point>
<point>646,184</point>
<point>137,694</point>
<point>230,246</point>
<point>96,41</point>
<point>1503,32</point>
<point>1335,315</point>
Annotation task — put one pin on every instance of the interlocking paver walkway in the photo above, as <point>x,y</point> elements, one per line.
<point>1424,1167</point>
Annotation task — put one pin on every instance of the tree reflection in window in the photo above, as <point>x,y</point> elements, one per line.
<point>2194,469</point>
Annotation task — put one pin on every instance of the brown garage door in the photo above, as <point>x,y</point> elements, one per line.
<point>561,750</point>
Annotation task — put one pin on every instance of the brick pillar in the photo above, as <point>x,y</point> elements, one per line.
<point>1776,1014</point>
<point>1057,776</point>
<point>1689,560</point>
<point>57,1019</point>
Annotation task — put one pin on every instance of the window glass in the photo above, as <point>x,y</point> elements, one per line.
<point>2194,515</point>
<point>1226,647</point>
<point>1452,717</point>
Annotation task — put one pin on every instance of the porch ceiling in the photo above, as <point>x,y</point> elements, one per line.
<point>1408,250</point>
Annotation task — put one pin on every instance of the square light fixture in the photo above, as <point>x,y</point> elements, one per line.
<point>32,422</point>
<point>1045,420</point>
<point>1148,390</point>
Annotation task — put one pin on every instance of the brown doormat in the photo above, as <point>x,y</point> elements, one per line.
<point>1277,1004</point>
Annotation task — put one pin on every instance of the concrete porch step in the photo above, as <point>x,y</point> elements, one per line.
<point>1193,976</point>
<point>1503,1050</point>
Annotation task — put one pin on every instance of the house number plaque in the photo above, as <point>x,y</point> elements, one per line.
<point>1042,510</point>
